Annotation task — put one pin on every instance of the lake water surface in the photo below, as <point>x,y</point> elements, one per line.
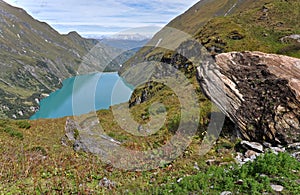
<point>83,94</point>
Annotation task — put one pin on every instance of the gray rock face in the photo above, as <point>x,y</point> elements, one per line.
<point>72,137</point>
<point>70,129</point>
<point>259,92</point>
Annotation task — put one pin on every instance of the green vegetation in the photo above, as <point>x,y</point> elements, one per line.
<point>10,129</point>
<point>251,178</point>
<point>33,160</point>
<point>23,124</point>
<point>13,133</point>
<point>38,163</point>
<point>259,29</point>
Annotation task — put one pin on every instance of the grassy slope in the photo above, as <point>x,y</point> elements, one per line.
<point>260,29</point>
<point>34,161</point>
<point>37,162</point>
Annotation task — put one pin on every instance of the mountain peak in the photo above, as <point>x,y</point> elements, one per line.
<point>35,59</point>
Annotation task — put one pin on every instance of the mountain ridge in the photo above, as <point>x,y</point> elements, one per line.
<point>36,58</point>
<point>191,22</point>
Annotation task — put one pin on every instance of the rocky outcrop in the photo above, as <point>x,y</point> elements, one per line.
<point>259,92</point>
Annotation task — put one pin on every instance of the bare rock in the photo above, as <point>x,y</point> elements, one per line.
<point>251,154</point>
<point>210,162</point>
<point>239,158</point>
<point>294,146</point>
<point>294,37</point>
<point>267,144</point>
<point>253,146</point>
<point>296,155</point>
<point>259,92</point>
<point>71,128</point>
<point>72,137</point>
<point>239,182</point>
<point>277,150</point>
<point>277,188</point>
<point>226,193</point>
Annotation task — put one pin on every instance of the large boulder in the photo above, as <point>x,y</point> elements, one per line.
<point>259,92</point>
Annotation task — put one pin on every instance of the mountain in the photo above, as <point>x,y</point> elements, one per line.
<point>35,59</point>
<point>269,26</point>
<point>47,156</point>
<point>189,23</point>
<point>229,25</point>
<point>125,42</point>
<point>128,43</point>
<point>216,27</point>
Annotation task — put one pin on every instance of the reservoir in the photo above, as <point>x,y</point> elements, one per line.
<point>83,94</point>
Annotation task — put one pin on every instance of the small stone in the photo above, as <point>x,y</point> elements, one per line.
<point>250,154</point>
<point>179,180</point>
<point>253,157</point>
<point>281,109</point>
<point>277,149</point>
<point>196,166</point>
<point>239,182</point>
<point>226,193</point>
<point>267,144</point>
<point>253,146</point>
<point>239,158</point>
<point>296,155</point>
<point>294,37</point>
<point>210,162</point>
<point>294,146</point>
<point>277,188</point>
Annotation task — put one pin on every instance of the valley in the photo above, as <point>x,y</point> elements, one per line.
<point>213,105</point>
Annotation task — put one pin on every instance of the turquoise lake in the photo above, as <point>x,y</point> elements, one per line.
<point>83,94</point>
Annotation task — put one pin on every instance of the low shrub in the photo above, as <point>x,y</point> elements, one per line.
<point>13,133</point>
<point>23,124</point>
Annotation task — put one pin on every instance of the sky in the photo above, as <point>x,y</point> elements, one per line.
<point>104,17</point>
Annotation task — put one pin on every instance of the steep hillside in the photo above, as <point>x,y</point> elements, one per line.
<point>266,26</point>
<point>44,156</point>
<point>224,26</point>
<point>35,59</point>
<point>272,28</point>
<point>190,23</point>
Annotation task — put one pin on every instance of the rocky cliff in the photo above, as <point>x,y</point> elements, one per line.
<point>261,93</point>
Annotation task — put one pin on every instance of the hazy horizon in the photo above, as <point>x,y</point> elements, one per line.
<point>104,17</point>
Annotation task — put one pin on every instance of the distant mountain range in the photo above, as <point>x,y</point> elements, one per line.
<point>126,42</point>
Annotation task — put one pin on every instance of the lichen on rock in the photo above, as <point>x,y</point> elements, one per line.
<point>262,93</point>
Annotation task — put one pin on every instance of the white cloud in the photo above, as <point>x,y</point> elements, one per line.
<point>114,15</point>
